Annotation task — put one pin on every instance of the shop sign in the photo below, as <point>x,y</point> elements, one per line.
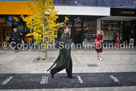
<point>13,18</point>
<point>20,28</point>
<point>123,12</point>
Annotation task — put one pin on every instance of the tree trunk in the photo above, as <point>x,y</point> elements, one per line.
<point>45,43</point>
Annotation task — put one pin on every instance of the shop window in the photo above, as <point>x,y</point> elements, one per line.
<point>110,28</point>
<point>89,29</point>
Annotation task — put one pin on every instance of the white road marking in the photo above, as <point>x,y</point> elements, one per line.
<point>7,80</point>
<point>114,78</point>
<point>44,80</point>
<point>79,78</point>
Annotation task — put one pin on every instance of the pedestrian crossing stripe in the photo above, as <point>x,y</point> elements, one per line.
<point>114,78</point>
<point>44,80</point>
<point>80,79</point>
<point>7,80</point>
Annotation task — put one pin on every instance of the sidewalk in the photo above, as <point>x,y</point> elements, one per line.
<point>84,61</point>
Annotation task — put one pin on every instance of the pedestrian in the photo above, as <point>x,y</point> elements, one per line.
<point>117,40</point>
<point>22,39</point>
<point>15,38</point>
<point>99,44</point>
<point>64,60</point>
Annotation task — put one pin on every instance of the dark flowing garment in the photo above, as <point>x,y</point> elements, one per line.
<point>64,60</point>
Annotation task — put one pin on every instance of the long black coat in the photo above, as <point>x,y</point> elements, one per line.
<point>64,57</point>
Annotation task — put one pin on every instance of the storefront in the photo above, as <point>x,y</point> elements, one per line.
<point>81,27</point>
<point>83,20</point>
<point>10,18</point>
<point>7,23</point>
<point>121,21</point>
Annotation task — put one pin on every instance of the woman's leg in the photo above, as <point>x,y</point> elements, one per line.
<point>55,70</point>
<point>69,70</point>
<point>100,56</point>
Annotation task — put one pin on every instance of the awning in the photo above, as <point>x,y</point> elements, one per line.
<point>83,10</point>
<point>14,8</point>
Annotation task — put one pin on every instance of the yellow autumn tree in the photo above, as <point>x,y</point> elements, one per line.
<point>43,22</point>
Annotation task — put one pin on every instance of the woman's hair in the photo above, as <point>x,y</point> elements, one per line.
<point>102,33</point>
<point>64,27</point>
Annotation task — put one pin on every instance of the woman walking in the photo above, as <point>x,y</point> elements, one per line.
<point>99,44</point>
<point>64,60</point>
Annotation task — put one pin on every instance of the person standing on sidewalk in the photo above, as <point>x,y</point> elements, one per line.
<point>15,38</point>
<point>117,39</point>
<point>64,60</point>
<point>99,44</point>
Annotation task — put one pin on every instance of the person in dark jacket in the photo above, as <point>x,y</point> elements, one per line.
<point>64,60</point>
<point>15,38</point>
<point>99,44</point>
